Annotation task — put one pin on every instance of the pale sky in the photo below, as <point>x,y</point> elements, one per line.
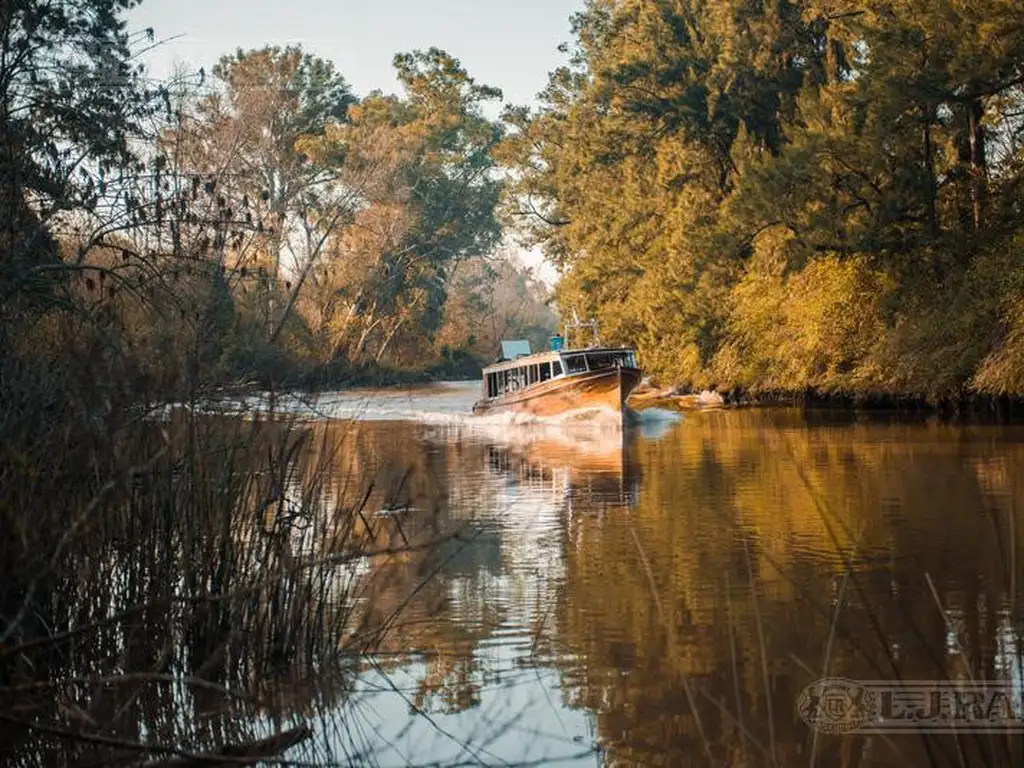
<point>509,44</point>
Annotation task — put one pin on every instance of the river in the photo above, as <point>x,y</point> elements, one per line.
<point>393,582</point>
<point>664,596</point>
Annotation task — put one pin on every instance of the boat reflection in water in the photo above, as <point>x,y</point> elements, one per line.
<point>476,634</point>
<point>592,474</point>
<point>661,596</point>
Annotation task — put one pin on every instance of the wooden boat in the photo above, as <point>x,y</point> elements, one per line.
<point>559,381</point>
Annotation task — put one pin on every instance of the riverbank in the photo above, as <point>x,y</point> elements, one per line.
<point>343,376</point>
<point>966,405</point>
<point>303,376</point>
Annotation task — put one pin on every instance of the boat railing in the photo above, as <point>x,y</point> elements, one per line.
<point>577,326</point>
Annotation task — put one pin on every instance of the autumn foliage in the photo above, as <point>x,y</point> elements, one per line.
<point>803,195</point>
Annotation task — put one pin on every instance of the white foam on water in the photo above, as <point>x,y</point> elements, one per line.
<point>595,416</point>
<point>441,405</point>
<point>655,423</point>
<point>586,432</point>
<point>446,406</point>
<point>657,416</point>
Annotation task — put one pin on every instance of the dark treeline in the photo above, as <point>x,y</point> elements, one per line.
<point>790,196</point>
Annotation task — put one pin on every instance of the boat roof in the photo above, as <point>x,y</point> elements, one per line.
<point>512,350</point>
<point>548,355</point>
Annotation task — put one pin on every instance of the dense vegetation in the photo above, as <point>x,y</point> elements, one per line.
<point>763,196</point>
<point>788,196</point>
<point>175,584</point>
<point>266,225</point>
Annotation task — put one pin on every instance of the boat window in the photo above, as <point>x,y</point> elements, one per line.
<point>492,385</point>
<point>497,459</point>
<point>576,363</point>
<point>601,360</point>
<point>545,371</point>
<point>556,368</point>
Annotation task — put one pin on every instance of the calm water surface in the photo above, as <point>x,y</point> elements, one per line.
<point>662,597</point>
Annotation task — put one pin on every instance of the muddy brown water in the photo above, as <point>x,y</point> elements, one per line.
<point>663,596</point>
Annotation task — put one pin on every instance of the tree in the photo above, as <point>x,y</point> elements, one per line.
<point>70,101</point>
<point>627,165</point>
<point>494,299</point>
<point>241,138</point>
<point>237,147</point>
<point>431,207</point>
<point>695,158</point>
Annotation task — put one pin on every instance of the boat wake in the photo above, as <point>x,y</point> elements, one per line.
<point>655,423</point>
<point>576,427</point>
<point>446,406</point>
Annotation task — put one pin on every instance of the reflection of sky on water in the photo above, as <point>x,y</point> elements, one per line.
<point>1007,660</point>
<point>515,503</point>
<point>656,423</point>
<point>521,718</point>
<point>521,715</point>
<point>532,478</point>
<point>789,505</point>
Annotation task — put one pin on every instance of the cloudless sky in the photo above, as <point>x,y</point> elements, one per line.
<point>510,44</point>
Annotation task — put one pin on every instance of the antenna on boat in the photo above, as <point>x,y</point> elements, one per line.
<point>576,325</point>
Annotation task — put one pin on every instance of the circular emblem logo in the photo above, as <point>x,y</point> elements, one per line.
<point>837,705</point>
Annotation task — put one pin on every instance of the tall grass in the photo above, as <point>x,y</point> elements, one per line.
<point>175,584</point>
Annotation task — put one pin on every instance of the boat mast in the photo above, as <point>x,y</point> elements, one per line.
<point>575,325</point>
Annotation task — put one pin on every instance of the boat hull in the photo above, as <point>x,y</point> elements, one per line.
<point>605,389</point>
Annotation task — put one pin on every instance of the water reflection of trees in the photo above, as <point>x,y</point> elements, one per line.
<point>694,580</point>
<point>500,500</point>
<point>703,576</point>
<point>685,587</point>
<point>697,620</point>
<point>214,599</point>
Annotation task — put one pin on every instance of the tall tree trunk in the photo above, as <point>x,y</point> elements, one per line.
<point>364,339</point>
<point>973,166</point>
<point>387,341</point>
<point>929,168</point>
<point>979,168</point>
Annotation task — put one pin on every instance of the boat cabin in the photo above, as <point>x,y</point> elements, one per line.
<point>526,370</point>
